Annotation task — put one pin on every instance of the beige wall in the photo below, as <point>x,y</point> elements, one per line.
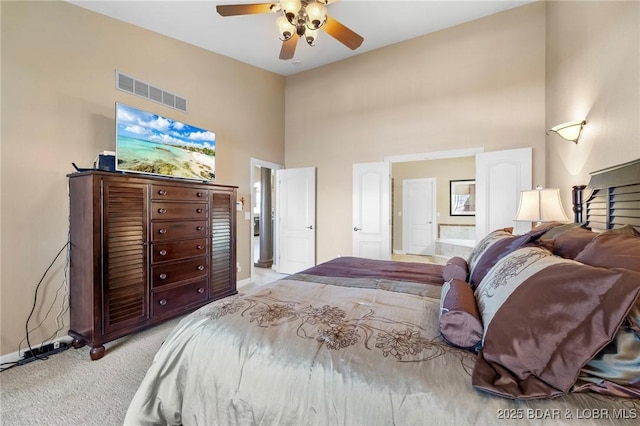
<point>480,84</point>
<point>58,97</point>
<point>443,170</point>
<point>593,72</point>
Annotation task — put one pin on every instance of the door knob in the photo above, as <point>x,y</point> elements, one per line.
<point>310,227</point>
<point>355,228</point>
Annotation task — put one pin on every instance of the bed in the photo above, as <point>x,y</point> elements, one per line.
<point>537,328</point>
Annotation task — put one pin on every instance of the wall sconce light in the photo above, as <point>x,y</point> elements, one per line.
<point>570,131</point>
<point>541,205</point>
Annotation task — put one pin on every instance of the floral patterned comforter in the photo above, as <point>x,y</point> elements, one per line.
<point>299,352</point>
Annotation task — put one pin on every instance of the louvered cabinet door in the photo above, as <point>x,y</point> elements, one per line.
<point>125,289</point>
<point>223,243</point>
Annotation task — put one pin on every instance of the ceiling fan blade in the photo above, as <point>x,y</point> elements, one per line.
<point>243,9</point>
<point>289,47</point>
<point>343,34</point>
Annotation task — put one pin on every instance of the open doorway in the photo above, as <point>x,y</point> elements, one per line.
<point>441,232</point>
<point>442,167</point>
<point>499,177</point>
<point>263,248</point>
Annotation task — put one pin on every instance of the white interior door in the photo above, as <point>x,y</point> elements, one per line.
<point>371,211</point>
<point>500,176</point>
<point>419,216</point>
<point>296,219</point>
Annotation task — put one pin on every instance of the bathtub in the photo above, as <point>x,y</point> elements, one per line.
<point>450,247</point>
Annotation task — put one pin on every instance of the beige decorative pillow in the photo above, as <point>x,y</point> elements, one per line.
<point>490,239</point>
<point>498,249</point>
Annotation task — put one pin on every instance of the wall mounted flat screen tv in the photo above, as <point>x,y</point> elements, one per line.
<point>150,143</point>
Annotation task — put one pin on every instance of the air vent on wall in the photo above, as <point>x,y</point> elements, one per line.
<point>145,90</point>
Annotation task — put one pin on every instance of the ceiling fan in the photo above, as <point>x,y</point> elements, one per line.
<point>300,18</point>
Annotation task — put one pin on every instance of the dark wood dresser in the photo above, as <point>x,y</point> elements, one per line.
<point>145,249</point>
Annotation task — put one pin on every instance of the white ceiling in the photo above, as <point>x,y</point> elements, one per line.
<point>253,39</point>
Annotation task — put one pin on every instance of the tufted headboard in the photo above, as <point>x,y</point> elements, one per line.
<point>611,199</point>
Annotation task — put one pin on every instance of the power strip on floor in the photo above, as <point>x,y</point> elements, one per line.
<point>43,352</point>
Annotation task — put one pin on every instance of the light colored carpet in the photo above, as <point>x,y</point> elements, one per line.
<point>70,389</point>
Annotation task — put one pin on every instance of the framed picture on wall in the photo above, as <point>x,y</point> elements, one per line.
<point>462,195</point>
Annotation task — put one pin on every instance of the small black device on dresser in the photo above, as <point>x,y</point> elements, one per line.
<point>106,162</point>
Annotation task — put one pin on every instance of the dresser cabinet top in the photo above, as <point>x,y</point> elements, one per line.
<point>151,179</point>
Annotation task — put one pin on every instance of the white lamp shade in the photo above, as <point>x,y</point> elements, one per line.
<point>310,36</point>
<point>291,6</point>
<point>285,28</point>
<point>541,205</point>
<point>316,15</point>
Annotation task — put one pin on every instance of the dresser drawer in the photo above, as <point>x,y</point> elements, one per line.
<point>178,299</point>
<point>169,273</point>
<point>163,252</point>
<point>163,231</point>
<point>175,193</point>
<point>162,210</point>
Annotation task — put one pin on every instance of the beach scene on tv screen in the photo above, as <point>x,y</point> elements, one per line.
<point>149,143</point>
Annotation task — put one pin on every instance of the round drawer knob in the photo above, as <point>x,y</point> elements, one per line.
<point>200,228</point>
<point>199,194</point>
<point>162,302</point>
<point>200,290</point>
<point>163,252</point>
<point>200,247</point>
<point>162,211</point>
<point>200,268</point>
<point>163,276</point>
<point>199,210</point>
<point>162,231</point>
<point>162,192</point>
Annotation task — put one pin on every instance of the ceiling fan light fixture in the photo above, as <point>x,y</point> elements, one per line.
<point>310,36</point>
<point>297,19</point>
<point>290,8</point>
<point>285,28</point>
<point>316,15</point>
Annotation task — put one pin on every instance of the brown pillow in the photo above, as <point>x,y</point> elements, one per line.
<point>544,318</point>
<point>557,230</point>
<point>626,230</point>
<point>459,322</point>
<point>572,241</point>
<point>455,268</point>
<point>497,251</point>
<point>612,250</point>
<point>548,226</point>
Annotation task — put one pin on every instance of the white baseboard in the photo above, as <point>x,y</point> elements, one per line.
<point>243,282</point>
<point>17,356</point>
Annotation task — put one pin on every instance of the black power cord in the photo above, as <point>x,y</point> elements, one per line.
<point>33,308</point>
